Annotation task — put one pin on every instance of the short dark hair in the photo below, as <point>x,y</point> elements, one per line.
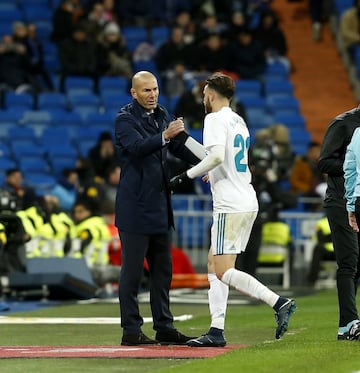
<point>11,171</point>
<point>222,84</point>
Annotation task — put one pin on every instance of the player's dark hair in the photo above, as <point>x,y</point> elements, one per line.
<point>222,84</point>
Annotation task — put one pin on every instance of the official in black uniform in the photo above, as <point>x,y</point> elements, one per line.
<point>346,242</point>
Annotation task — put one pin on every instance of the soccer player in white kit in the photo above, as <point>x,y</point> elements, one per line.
<point>235,206</point>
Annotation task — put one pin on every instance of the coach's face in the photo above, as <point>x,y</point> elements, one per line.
<point>146,91</point>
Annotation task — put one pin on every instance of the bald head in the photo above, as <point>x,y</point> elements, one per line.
<point>145,90</point>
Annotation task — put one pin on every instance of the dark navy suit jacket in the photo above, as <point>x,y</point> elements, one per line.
<point>143,203</point>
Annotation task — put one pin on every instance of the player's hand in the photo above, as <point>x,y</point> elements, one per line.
<point>353,222</point>
<point>177,180</point>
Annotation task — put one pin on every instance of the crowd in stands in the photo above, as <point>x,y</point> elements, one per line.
<point>91,39</point>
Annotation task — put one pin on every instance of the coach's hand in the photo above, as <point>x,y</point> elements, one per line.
<point>177,180</point>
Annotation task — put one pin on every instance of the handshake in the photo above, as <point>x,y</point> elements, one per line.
<point>177,180</point>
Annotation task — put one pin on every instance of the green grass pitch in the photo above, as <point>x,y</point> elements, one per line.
<point>309,346</point>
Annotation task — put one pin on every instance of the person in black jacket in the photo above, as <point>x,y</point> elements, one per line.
<point>345,240</point>
<point>143,214</point>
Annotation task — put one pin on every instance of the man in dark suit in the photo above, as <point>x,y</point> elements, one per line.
<point>143,135</point>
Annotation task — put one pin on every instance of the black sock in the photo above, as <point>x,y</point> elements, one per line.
<point>280,302</point>
<point>215,331</point>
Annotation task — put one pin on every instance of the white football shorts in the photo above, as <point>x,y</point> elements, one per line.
<point>230,232</point>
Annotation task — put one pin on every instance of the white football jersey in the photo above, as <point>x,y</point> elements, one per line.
<point>230,182</point>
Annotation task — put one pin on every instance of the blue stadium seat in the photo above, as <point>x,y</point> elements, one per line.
<point>248,87</point>
<point>278,87</point>
<point>291,120</point>
<point>149,65</point>
<point>58,164</point>
<point>197,134</point>
<point>19,100</point>
<point>101,119</point>
<point>68,119</point>
<point>35,13</point>
<point>84,103</point>
<point>85,145</point>
<point>54,135</point>
<point>61,150</point>
<point>276,71</point>
<point>115,101</point>
<point>134,35</point>
<point>10,116</point>
<point>299,136</point>
<point>8,5</point>
<point>26,148</point>
<point>33,164</point>
<point>42,182</point>
<point>340,6</point>
<point>34,117</point>
<point>52,100</point>
<point>159,35</point>
<point>283,105</point>
<point>113,84</point>
<point>6,163</point>
<point>22,132</point>
<point>11,15</point>
<point>4,150</point>
<point>78,84</point>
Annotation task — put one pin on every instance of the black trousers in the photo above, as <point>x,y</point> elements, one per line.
<point>346,247</point>
<point>156,249</point>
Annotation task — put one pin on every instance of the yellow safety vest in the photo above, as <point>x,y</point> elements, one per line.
<point>3,238</point>
<point>97,251</point>
<point>276,233</point>
<point>323,226</point>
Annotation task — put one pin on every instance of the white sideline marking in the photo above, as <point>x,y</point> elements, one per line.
<point>75,320</point>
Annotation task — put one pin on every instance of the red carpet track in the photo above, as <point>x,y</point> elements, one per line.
<point>136,352</point>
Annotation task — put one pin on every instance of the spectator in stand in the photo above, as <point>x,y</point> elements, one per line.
<point>110,11</point>
<point>92,237</point>
<point>137,13</point>
<point>114,59</point>
<point>25,196</point>
<point>112,177</point>
<point>190,106</point>
<point>102,154</point>
<point>36,53</point>
<point>66,17</point>
<point>236,24</point>
<point>212,54</point>
<point>173,63</point>
<point>208,26</point>
<point>77,57</point>
<point>183,20</point>
<point>174,52</point>
<point>66,189</point>
<point>272,38</point>
<point>14,64</point>
<point>305,177</point>
<point>284,152</point>
<point>316,16</point>
<point>350,28</point>
<point>246,56</point>
<point>95,22</point>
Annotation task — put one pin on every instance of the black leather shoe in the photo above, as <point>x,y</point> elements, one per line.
<point>137,340</point>
<point>172,337</point>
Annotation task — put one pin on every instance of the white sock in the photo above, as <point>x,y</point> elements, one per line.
<point>249,285</point>
<point>218,295</point>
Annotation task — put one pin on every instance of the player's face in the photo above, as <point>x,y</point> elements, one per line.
<point>146,92</point>
<point>206,100</point>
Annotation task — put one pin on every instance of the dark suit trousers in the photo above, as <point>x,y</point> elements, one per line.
<point>156,249</point>
<point>346,247</point>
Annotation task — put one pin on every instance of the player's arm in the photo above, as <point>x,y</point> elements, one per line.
<point>215,157</point>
